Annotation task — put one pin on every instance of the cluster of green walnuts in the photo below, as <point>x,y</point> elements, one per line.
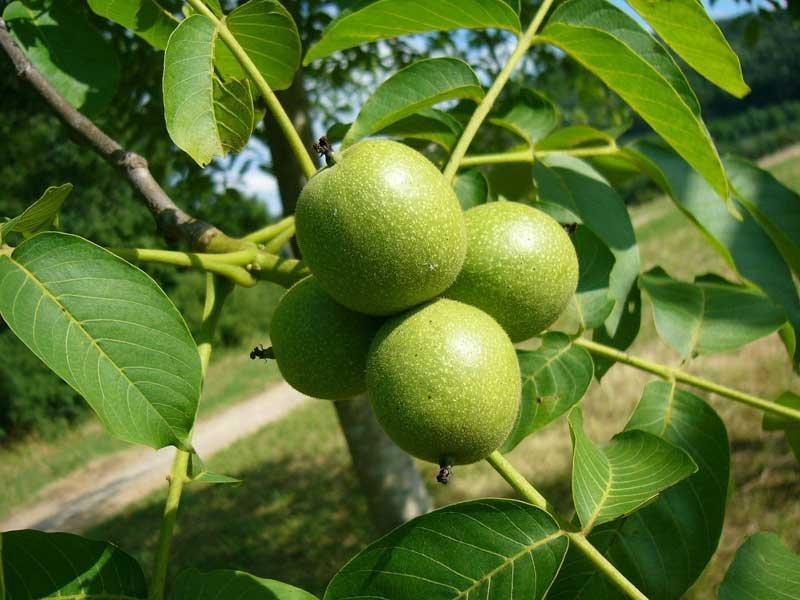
<point>418,302</point>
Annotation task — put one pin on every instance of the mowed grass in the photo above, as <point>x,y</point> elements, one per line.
<point>300,514</point>
<point>27,468</point>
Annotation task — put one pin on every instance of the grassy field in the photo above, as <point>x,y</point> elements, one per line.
<point>300,514</point>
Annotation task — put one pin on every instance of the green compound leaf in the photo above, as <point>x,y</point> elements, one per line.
<point>762,568</point>
<point>686,27</point>
<point>593,300</point>
<point>580,189</point>
<point>40,215</point>
<point>532,117</point>
<point>633,64</point>
<point>471,188</point>
<point>145,18</point>
<point>490,549</point>
<point>709,315</point>
<point>69,52</point>
<point>574,136</point>
<point>38,565</point>
<point>743,243</point>
<point>620,478</point>
<point>269,36</point>
<point>428,125</point>
<point>554,378</point>
<point>193,584</point>
<point>663,547</point>
<point>418,86</point>
<point>371,20</point>
<point>772,204</point>
<point>108,330</point>
<point>205,117</point>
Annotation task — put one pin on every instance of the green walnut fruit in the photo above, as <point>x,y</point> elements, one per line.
<point>321,346</point>
<point>444,382</point>
<point>381,229</point>
<point>521,267</point>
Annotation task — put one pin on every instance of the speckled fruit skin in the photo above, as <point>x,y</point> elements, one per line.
<point>381,229</point>
<point>444,382</point>
<point>321,346</point>
<point>521,267</point>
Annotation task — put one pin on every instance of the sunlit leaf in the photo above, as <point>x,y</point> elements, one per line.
<point>489,549</point>
<point>688,29</point>
<point>428,125</point>
<point>269,36</point>
<point>146,18</point>
<point>40,215</point>
<point>632,63</point>
<point>762,568</point>
<point>531,117</point>
<point>420,85</point>
<point>623,476</point>
<point>574,136</point>
<point>554,378</point>
<point>108,330</point>
<point>193,584</point>
<point>370,20</point>
<point>68,51</point>
<point>663,547</point>
<point>40,565</point>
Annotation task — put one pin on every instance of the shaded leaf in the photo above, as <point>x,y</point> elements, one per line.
<point>633,64</point>
<point>790,427</point>
<point>371,20</point>
<point>193,584</point>
<point>742,243</point>
<point>146,18</point>
<point>269,36</point>
<point>429,125</point>
<point>688,29</point>
<point>762,568</point>
<point>576,186</point>
<point>772,204</point>
<point>40,215</point>
<point>69,52</point>
<point>574,136</point>
<point>205,117</point>
<point>593,300</point>
<point>620,478</point>
<point>488,548</point>
<point>471,188</point>
<point>555,377</point>
<point>62,565</point>
<point>532,116</point>
<point>108,330</point>
<point>627,329</point>
<point>420,85</point>
<point>663,547</point>
<point>709,315</point>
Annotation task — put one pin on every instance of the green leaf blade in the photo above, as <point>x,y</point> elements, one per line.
<point>40,215</point>
<point>763,567</point>
<point>490,548</point>
<point>689,30</point>
<point>372,20</point>
<point>268,34</point>
<point>471,188</point>
<point>532,117</point>
<point>416,87</point>
<point>616,480</point>
<point>109,331</point>
<point>146,18</point>
<point>193,584</point>
<point>555,377</point>
<point>633,64</point>
<point>62,565</point>
<point>593,299</point>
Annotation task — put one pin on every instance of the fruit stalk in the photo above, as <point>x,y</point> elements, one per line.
<point>480,114</point>
<point>285,123</point>
<point>670,374</point>
<point>269,232</point>
<point>515,479</point>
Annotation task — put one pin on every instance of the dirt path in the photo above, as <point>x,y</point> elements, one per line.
<point>107,485</point>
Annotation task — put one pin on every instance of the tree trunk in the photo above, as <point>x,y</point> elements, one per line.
<point>389,479</point>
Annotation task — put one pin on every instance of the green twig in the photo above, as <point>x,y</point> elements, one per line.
<point>578,540</point>
<point>530,156</point>
<point>285,123</point>
<point>480,114</point>
<point>217,291</point>
<point>672,374</point>
<point>270,231</point>
<point>610,148</point>
<point>276,243</point>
